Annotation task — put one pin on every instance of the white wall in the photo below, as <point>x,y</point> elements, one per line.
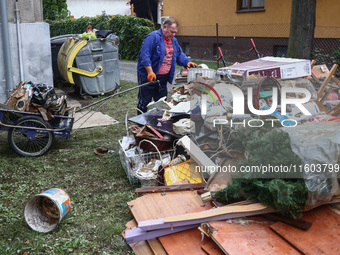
<point>36,55</point>
<point>92,8</point>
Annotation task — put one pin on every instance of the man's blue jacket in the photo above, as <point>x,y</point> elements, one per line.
<point>152,53</point>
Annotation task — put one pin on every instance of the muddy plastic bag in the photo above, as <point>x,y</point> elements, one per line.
<point>318,146</point>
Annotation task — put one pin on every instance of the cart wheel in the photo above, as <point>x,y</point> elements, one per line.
<point>30,142</point>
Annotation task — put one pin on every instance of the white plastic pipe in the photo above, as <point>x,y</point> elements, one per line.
<point>17,14</point>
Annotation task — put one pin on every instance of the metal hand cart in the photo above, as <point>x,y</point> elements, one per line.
<point>29,134</point>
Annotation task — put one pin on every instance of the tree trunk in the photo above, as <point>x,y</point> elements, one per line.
<point>302,25</point>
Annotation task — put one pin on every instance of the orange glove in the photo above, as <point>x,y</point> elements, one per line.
<point>191,64</point>
<point>151,76</point>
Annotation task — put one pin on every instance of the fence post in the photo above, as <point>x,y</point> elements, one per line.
<point>217,43</point>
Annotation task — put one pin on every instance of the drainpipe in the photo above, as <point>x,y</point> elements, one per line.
<point>5,47</point>
<point>19,40</point>
<point>159,11</point>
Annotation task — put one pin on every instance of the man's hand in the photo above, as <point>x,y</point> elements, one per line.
<point>151,76</point>
<point>191,64</point>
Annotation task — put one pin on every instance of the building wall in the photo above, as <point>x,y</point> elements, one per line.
<point>198,17</point>
<point>93,8</point>
<point>201,21</point>
<point>30,11</point>
<point>200,13</point>
<point>327,13</point>
<point>35,47</point>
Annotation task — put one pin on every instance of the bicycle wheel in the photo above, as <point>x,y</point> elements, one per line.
<point>28,138</point>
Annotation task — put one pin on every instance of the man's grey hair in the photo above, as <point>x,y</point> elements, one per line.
<point>169,22</point>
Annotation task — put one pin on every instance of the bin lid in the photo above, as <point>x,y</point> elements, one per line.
<point>60,39</point>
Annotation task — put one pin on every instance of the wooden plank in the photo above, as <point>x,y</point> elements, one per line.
<point>250,236</point>
<point>255,207</point>
<point>154,206</point>
<point>320,71</point>
<point>335,111</point>
<point>140,248</point>
<point>222,213</point>
<point>211,248</point>
<point>336,80</point>
<point>156,246</point>
<point>180,187</point>
<point>312,63</point>
<point>137,234</point>
<point>321,238</point>
<point>188,242</point>
<point>185,242</point>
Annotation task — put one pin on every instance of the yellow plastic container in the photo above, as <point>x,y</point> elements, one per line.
<point>180,172</point>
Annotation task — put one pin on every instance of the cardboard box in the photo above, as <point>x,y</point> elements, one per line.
<point>279,68</point>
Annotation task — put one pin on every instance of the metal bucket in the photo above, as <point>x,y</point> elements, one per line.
<point>45,211</point>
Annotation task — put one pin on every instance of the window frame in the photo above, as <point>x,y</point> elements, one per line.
<point>249,8</point>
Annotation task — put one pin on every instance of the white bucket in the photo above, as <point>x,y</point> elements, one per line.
<point>45,211</point>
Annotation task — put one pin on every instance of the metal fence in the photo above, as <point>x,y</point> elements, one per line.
<point>201,42</point>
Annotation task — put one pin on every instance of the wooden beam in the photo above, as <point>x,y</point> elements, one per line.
<point>296,223</point>
<point>140,248</point>
<point>137,234</point>
<point>336,80</point>
<point>255,207</point>
<point>222,213</point>
<point>312,63</point>
<point>335,111</point>
<point>327,93</point>
<point>180,187</point>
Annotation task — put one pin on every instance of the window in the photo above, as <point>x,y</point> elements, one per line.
<point>250,5</point>
<point>186,48</point>
<point>280,51</point>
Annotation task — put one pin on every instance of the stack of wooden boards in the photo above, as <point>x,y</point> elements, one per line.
<point>233,229</point>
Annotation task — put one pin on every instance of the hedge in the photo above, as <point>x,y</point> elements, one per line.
<point>130,30</point>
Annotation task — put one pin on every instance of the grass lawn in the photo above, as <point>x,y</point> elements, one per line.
<point>97,186</point>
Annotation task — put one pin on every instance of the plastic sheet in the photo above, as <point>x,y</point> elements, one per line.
<point>318,146</point>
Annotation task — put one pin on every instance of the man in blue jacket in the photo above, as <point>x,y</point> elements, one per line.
<point>157,61</point>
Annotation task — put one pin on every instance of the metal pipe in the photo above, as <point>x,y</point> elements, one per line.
<point>118,93</point>
<point>6,47</point>
<point>17,14</point>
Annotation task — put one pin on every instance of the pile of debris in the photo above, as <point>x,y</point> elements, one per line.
<point>37,98</point>
<point>259,140</point>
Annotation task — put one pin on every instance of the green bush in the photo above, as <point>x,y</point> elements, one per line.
<point>336,55</point>
<point>54,10</point>
<point>130,30</point>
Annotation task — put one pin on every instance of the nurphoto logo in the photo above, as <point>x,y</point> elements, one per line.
<point>239,103</point>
